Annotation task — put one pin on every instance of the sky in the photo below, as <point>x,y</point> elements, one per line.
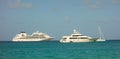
<point>59,17</point>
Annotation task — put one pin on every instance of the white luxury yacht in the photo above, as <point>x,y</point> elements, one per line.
<point>35,36</point>
<point>76,37</point>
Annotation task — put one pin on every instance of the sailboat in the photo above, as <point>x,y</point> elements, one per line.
<point>101,38</point>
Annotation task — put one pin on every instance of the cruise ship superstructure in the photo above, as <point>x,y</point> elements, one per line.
<point>76,37</point>
<point>35,36</point>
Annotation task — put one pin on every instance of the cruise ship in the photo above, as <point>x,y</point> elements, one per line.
<point>35,36</point>
<point>77,37</point>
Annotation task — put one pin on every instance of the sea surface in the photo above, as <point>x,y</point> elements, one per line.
<point>57,50</point>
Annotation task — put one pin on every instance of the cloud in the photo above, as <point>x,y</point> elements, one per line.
<point>19,4</point>
<point>115,1</point>
<point>56,9</point>
<point>93,5</point>
<point>98,3</point>
<point>86,2</point>
<point>67,18</point>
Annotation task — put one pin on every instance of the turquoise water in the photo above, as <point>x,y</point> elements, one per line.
<point>56,50</point>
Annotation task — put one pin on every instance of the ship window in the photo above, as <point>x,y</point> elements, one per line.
<point>84,37</point>
<point>64,38</point>
<point>78,35</point>
<point>38,36</point>
<point>81,35</point>
<point>22,32</point>
<point>72,38</point>
<point>23,35</point>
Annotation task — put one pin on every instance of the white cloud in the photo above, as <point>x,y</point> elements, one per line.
<point>86,2</point>
<point>115,1</point>
<point>94,6</point>
<point>56,9</point>
<point>98,3</point>
<point>19,4</point>
<point>67,18</point>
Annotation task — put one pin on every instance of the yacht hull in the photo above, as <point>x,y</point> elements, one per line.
<point>77,40</point>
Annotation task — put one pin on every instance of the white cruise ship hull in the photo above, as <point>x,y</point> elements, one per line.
<point>31,39</point>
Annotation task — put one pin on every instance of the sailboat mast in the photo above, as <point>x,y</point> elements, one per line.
<point>100,33</point>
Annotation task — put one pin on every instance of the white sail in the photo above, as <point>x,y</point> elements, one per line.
<point>101,36</point>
